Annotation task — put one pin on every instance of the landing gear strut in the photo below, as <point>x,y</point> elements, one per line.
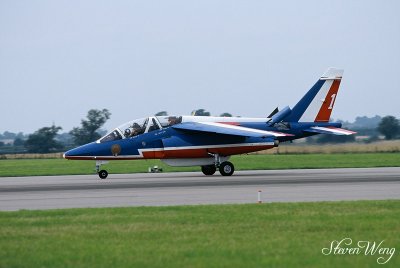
<point>102,173</point>
<point>226,168</point>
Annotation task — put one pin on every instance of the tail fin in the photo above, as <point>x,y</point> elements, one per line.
<point>317,104</point>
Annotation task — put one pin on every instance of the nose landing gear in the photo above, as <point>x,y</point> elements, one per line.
<point>102,173</point>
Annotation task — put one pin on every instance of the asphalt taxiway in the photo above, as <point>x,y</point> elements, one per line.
<point>190,188</point>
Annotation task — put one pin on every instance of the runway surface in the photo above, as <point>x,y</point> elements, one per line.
<point>189,188</point>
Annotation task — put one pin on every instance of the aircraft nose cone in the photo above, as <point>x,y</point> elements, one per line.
<point>81,152</point>
<point>70,154</point>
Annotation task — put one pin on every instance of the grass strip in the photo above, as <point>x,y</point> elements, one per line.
<point>252,235</point>
<point>38,167</point>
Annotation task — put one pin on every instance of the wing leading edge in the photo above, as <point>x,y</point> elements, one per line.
<point>228,129</point>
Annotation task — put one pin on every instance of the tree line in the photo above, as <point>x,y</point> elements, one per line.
<point>43,140</point>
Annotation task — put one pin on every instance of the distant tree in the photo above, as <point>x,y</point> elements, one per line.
<point>389,127</point>
<point>20,135</point>
<point>162,113</point>
<point>18,142</point>
<point>9,135</point>
<point>42,141</point>
<point>363,125</point>
<point>88,132</point>
<point>226,115</point>
<point>102,132</point>
<point>65,139</point>
<point>366,122</point>
<point>200,112</point>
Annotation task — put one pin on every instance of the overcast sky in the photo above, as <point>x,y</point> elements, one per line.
<point>58,59</point>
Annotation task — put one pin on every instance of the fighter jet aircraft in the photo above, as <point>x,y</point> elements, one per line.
<point>210,141</point>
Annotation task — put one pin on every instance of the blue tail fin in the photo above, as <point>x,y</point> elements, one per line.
<point>317,104</point>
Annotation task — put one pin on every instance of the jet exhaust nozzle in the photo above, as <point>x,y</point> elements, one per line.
<point>279,116</point>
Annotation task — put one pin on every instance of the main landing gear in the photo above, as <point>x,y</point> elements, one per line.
<point>102,173</point>
<point>226,168</point>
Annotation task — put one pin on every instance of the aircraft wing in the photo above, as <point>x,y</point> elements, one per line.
<point>330,130</point>
<point>227,129</point>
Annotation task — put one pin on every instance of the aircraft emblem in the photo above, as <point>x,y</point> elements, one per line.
<point>116,149</point>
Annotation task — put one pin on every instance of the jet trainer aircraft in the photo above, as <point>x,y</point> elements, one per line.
<point>210,141</point>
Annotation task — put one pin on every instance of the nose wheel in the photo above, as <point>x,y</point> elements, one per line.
<point>102,173</point>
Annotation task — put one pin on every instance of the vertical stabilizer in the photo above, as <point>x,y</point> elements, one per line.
<point>317,104</point>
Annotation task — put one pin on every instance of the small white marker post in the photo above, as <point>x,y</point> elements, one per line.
<point>259,197</point>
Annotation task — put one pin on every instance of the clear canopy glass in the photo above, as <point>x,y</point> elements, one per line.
<point>169,120</point>
<point>133,128</point>
<point>140,126</point>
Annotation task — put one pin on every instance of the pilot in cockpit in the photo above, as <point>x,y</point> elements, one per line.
<point>173,120</point>
<point>137,129</point>
<point>134,130</point>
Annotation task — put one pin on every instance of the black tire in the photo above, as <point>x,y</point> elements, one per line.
<point>103,174</point>
<point>226,168</point>
<point>208,170</point>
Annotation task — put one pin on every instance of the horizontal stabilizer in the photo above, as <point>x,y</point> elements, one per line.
<point>330,130</point>
<point>227,129</point>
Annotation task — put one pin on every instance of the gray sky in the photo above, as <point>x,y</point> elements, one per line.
<point>58,59</point>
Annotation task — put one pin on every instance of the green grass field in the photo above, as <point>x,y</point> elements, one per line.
<point>253,235</point>
<point>32,167</point>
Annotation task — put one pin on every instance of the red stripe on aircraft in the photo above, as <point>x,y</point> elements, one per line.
<point>229,123</point>
<point>327,106</point>
<point>202,153</point>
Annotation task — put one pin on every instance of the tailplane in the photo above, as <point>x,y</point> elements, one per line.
<point>317,104</point>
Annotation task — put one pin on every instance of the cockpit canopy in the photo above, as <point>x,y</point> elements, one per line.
<point>140,126</point>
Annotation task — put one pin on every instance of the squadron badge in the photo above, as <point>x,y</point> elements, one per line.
<point>116,149</point>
